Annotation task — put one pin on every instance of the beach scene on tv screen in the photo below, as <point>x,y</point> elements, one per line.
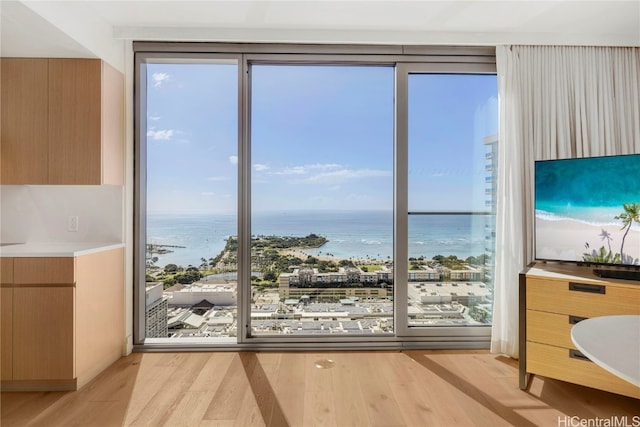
<point>588,210</point>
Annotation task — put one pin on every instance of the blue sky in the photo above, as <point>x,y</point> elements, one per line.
<point>322,138</point>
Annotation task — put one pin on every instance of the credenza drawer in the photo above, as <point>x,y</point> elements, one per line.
<point>550,328</point>
<point>556,362</point>
<point>581,299</point>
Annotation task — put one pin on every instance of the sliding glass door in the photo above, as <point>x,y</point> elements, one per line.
<point>311,198</point>
<point>450,136</point>
<point>321,200</point>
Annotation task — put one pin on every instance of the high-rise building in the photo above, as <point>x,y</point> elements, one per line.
<point>156,312</point>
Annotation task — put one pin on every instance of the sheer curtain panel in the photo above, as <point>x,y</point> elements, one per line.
<point>554,102</point>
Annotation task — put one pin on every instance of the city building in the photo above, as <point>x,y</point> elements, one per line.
<point>216,294</point>
<point>156,312</point>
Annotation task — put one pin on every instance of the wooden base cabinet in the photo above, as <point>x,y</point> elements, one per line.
<point>64,322</point>
<point>553,298</point>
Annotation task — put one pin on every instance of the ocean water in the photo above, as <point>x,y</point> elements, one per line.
<point>361,234</point>
<point>589,190</point>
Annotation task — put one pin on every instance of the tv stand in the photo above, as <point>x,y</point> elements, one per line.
<point>553,298</point>
<point>617,274</point>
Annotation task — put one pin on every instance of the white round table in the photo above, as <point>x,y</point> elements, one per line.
<point>612,342</point>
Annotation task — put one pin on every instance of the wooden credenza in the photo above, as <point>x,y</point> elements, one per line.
<point>554,297</point>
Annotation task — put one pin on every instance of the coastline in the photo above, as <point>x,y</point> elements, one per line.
<point>300,253</point>
<point>565,239</point>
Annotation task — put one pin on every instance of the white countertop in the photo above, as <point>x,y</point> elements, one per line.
<point>51,249</point>
<point>612,342</point>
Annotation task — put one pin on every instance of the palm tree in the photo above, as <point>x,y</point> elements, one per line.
<point>630,215</point>
<point>605,235</point>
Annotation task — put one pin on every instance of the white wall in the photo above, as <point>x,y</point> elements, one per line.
<point>32,213</point>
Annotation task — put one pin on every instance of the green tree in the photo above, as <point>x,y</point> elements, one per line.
<point>270,276</point>
<point>170,268</point>
<point>630,215</point>
<point>169,282</point>
<point>192,274</point>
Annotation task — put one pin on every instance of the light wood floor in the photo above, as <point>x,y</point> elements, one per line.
<point>410,388</point>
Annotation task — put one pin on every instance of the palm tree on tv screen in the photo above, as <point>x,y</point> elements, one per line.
<point>630,215</point>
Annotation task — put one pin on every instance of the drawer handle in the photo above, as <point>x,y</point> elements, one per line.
<point>575,319</point>
<point>575,354</point>
<point>584,287</point>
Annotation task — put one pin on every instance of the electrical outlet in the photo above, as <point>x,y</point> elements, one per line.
<point>72,223</point>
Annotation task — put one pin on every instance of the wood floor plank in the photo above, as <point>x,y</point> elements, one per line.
<point>251,415</point>
<point>415,411</point>
<point>227,401</point>
<point>382,409</point>
<point>319,409</point>
<point>466,372</point>
<point>446,402</point>
<point>289,389</point>
<point>185,368</point>
<point>18,408</point>
<point>318,367</point>
<point>84,413</point>
<point>150,382</point>
<point>213,372</point>
<point>350,406</point>
<point>191,408</point>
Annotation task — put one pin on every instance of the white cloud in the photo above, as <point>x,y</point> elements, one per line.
<point>233,160</point>
<point>159,79</point>
<point>325,166</point>
<point>154,118</point>
<point>217,178</point>
<point>260,167</point>
<point>342,175</point>
<point>208,193</point>
<point>296,170</point>
<point>164,134</point>
<point>305,169</point>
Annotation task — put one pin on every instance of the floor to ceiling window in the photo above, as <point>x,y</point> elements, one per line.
<point>314,195</point>
<point>321,199</point>
<point>191,199</point>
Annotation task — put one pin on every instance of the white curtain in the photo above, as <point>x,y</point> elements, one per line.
<point>554,102</point>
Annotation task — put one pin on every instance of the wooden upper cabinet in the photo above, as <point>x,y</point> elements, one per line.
<point>81,125</point>
<point>24,127</point>
<point>74,122</point>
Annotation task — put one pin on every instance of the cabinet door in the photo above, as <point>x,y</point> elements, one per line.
<point>75,146</point>
<point>6,318</point>
<point>6,333</point>
<point>24,128</point>
<point>43,333</point>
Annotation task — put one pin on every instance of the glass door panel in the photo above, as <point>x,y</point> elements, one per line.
<point>191,200</point>
<point>321,200</point>
<point>452,143</point>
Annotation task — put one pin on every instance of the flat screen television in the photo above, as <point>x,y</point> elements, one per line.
<point>587,210</point>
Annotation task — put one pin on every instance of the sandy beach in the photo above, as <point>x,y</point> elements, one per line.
<point>565,239</point>
<point>300,253</point>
